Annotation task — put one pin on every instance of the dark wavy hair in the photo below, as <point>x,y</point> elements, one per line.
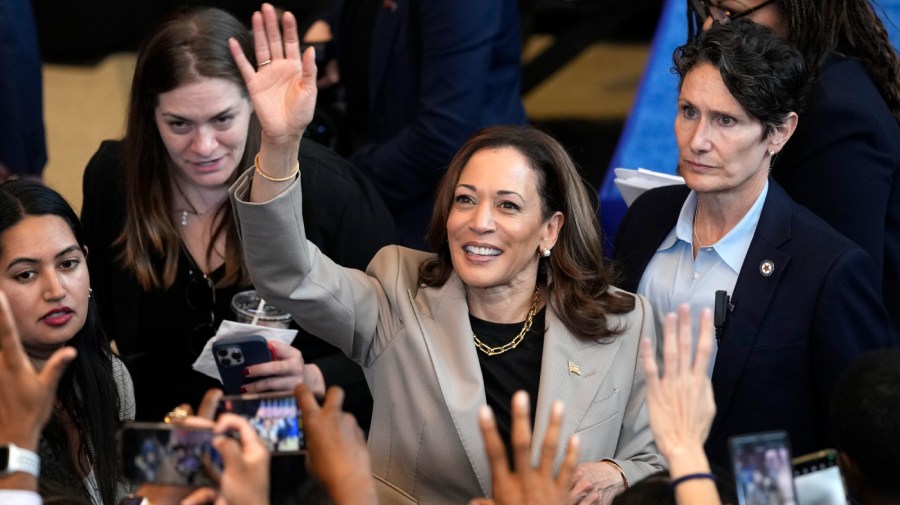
<point>764,73</point>
<point>188,45</point>
<point>87,391</point>
<point>820,27</point>
<point>576,275</point>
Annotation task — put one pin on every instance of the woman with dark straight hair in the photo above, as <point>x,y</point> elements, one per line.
<point>42,255</point>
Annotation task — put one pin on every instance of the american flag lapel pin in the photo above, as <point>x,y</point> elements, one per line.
<point>574,369</point>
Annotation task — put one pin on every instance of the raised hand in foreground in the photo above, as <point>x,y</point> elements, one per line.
<point>527,485</point>
<point>337,453</point>
<point>681,406</point>
<point>26,395</point>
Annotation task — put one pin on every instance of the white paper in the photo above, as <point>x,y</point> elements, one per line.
<point>206,362</point>
<point>632,183</point>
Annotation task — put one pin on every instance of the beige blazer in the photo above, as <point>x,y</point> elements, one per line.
<point>415,346</point>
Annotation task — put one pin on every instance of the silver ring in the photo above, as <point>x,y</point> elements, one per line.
<point>261,65</point>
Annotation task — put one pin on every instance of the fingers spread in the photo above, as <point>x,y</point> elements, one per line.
<point>704,343</point>
<point>670,345</point>
<point>334,399</point>
<point>291,37</point>
<point>493,445</point>
<point>309,407</point>
<point>56,366</point>
<point>521,432</point>
<point>551,439</point>
<point>260,42</point>
<point>684,339</point>
<point>569,462</point>
<point>10,345</point>
<point>310,71</point>
<point>273,31</point>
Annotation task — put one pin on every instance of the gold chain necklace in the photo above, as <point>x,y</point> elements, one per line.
<point>512,344</point>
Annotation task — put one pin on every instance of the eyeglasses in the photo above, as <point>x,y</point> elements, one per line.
<point>713,9</point>
<point>201,296</point>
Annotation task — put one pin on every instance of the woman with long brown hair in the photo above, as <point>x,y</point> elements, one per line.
<point>164,249</point>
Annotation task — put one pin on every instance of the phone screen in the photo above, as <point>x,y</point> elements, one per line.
<point>818,480</point>
<point>762,468</point>
<point>167,454</point>
<point>275,417</point>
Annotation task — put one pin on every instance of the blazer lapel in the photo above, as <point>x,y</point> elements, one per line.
<point>757,281</point>
<point>653,219</point>
<point>572,372</point>
<point>446,322</point>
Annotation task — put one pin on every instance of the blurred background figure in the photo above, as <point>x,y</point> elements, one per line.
<point>23,148</point>
<point>418,79</point>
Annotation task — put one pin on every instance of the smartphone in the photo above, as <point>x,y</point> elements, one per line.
<point>762,468</point>
<point>275,417</point>
<point>235,354</point>
<point>818,479</point>
<point>159,453</point>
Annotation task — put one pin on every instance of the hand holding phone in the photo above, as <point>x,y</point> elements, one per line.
<point>169,454</point>
<point>246,476</point>
<point>235,354</point>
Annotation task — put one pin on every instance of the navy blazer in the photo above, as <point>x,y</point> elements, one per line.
<point>438,72</point>
<point>790,333</point>
<point>843,163</point>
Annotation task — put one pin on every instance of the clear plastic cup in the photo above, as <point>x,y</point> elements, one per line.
<point>246,307</point>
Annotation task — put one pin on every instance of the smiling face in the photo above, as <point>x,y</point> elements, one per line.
<point>721,148</point>
<point>495,227</point>
<point>203,125</point>
<point>46,280</point>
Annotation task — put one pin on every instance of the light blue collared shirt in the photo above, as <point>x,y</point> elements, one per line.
<point>674,276</point>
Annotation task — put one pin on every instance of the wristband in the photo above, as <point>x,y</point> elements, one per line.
<point>691,476</point>
<point>17,459</point>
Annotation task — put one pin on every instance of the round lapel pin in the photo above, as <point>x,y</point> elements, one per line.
<point>767,268</point>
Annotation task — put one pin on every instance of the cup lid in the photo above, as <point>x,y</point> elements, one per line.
<point>246,303</point>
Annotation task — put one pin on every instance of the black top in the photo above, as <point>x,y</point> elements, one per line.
<point>157,332</point>
<point>514,370</point>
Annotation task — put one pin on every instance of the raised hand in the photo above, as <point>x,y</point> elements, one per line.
<point>680,403</point>
<point>681,406</point>
<point>26,395</point>
<point>527,484</point>
<point>282,87</point>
